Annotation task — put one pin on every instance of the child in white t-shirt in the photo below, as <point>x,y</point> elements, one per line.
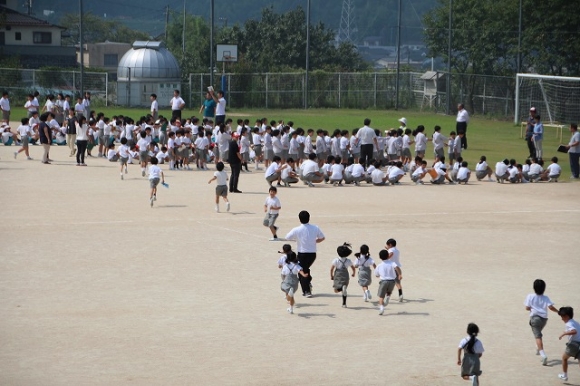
<point>290,273</point>
<point>272,208</point>
<point>123,154</point>
<point>326,168</point>
<point>112,155</point>
<point>339,271</point>
<point>221,190</point>
<point>553,171</point>
<point>536,170</point>
<point>336,172</point>
<point>388,272</point>
<point>364,262</point>
<point>394,255</point>
<point>482,169</point>
<point>419,173</point>
<point>472,350</point>
<point>155,174</point>
<point>463,173</point>
<point>538,305</point>
<point>162,155</point>
<point>573,333</point>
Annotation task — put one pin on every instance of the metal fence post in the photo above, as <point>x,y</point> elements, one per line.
<point>107,89</point>
<point>375,102</point>
<point>339,88</point>
<point>190,93</point>
<point>267,87</point>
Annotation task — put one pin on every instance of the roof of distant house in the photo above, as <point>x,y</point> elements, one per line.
<point>15,18</point>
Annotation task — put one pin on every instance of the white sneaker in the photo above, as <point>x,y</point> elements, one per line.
<point>563,376</point>
<point>154,198</point>
<point>474,380</point>
<point>290,310</point>
<point>228,206</point>
<point>29,158</point>
<point>365,296</point>
<point>151,201</point>
<point>387,300</point>
<point>344,306</point>
<point>491,179</point>
<point>15,154</point>
<point>274,239</point>
<point>217,208</point>
<point>381,310</point>
<point>400,298</point>
<point>369,296</point>
<point>344,291</point>
<point>544,361</point>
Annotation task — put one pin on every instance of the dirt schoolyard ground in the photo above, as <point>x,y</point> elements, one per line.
<point>99,289</point>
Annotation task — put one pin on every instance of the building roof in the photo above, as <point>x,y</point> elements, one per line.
<point>15,18</point>
<point>148,60</point>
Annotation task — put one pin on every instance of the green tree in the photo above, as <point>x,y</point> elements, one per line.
<point>485,36</point>
<point>97,30</point>
<point>197,36</point>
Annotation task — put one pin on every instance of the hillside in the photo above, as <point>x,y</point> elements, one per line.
<point>373,17</point>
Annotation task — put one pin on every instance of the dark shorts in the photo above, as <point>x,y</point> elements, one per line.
<point>573,349</point>
<point>385,287</point>
<point>153,182</point>
<point>538,323</point>
<point>221,190</point>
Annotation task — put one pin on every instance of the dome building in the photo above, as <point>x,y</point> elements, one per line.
<point>147,68</point>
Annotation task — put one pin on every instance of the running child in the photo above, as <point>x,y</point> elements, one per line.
<point>290,273</point>
<point>573,346</point>
<point>387,272</point>
<point>155,174</point>
<point>538,305</point>
<point>123,154</point>
<point>339,271</point>
<point>364,262</point>
<point>221,190</point>
<point>394,255</point>
<point>472,350</point>
<point>25,133</point>
<point>272,208</point>
<point>143,145</point>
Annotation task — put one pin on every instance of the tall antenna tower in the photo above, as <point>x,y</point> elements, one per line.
<point>348,28</point>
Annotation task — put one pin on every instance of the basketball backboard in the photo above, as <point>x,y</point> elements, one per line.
<point>227,53</point>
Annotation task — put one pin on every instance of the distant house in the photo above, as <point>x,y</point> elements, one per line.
<point>104,55</point>
<point>35,42</point>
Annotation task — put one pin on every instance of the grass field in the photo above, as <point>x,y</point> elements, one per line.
<point>495,139</point>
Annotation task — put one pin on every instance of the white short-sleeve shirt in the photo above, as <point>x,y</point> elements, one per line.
<point>538,305</point>
<point>305,236</point>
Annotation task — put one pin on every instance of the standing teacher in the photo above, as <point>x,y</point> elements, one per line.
<point>461,124</point>
<point>235,160</point>
<point>220,109</point>
<point>177,104</point>
<point>306,237</point>
<point>574,151</point>
<point>368,140</point>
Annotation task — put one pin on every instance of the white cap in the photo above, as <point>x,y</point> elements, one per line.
<point>403,121</point>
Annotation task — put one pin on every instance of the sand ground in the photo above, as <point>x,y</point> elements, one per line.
<point>97,288</point>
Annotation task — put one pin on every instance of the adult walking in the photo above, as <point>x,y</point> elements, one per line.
<point>368,141</point>
<point>45,137</point>
<point>71,131</point>
<point>82,139</point>
<point>235,160</point>
<point>306,236</point>
<point>574,151</point>
<point>177,104</point>
<point>529,137</point>
<point>461,124</point>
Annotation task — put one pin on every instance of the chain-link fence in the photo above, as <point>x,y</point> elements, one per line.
<point>487,95</point>
<point>21,82</point>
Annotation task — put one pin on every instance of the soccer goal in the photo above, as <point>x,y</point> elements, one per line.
<point>556,99</point>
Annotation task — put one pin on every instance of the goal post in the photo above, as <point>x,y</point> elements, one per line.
<point>556,98</point>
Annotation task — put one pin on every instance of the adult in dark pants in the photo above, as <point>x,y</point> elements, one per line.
<point>368,140</point>
<point>45,137</point>
<point>574,151</point>
<point>306,237</point>
<point>461,124</point>
<point>530,133</point>
<point>235,160</point>
<point>177,104</point>
<point>82,140</point>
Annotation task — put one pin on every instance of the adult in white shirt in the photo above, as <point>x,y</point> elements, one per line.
<point>177,104</point>
<point>220,108</point>
<point>5,107</point>
<point>154,107</point>
<point>368,141</point>
<point>574,151</point>
<point>306,237</point>
<point>461,124</point>
<point>87,104</point>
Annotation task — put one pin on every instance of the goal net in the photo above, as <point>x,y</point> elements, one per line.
<point>556,98</point>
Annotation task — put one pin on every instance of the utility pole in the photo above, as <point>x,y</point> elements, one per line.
<point>81,48</point>
<point>211,17</point>
<point>398,56</point>
<point>166,20</point>
<point>448,83</point>
<point>519,61</point>
<point>307,53</point>
<point>183,32</point>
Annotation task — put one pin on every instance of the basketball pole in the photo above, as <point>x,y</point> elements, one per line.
<point>398,56</point>
<point>81,50</point>
<point>211,17</point>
